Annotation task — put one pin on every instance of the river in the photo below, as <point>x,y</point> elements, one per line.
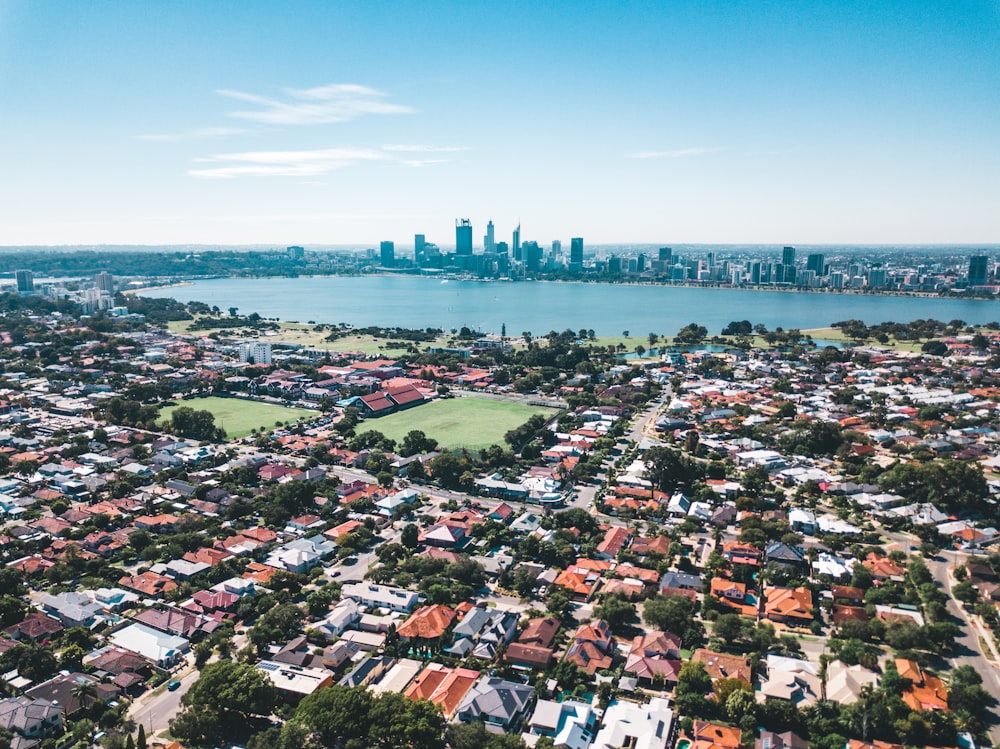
<point>608,309</point>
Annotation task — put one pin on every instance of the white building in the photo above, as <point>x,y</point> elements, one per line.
<point>258,353</point>
<point>162,649</point>
<point>380,596</point>
<point>649,726</point>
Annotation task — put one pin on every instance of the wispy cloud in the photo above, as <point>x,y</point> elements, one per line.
<point>677,154</point>
<point>199,134</point>
<point>284,163</point>
<point>424,149</point>
<point>283,217</point>
<point>423,162</point>
<point>337,102</point>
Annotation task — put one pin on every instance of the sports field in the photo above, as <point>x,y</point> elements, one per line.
<point>473,423</point>
<point>238,416</point>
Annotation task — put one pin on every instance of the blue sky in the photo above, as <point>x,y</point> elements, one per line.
<point>337,122</point>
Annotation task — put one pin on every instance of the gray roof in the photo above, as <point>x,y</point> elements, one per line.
<point>496,698</point>
<point>22,714</point>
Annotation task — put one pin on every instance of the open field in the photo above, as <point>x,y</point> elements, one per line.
<point>835,334</point>
<point>473,423</point>
<point>304,334</point>
<point>238,416</point>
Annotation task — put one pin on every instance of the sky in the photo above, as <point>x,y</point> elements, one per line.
<point>235,123</point>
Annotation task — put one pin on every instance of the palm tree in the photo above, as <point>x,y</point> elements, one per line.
<point>84,691</point>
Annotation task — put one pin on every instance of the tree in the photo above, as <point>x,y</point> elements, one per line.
<point>409,536</point>
<point>730,628</point>
<point>618,612</point>
<point>337,714</point>
<point>227,688</point>
<point>84,691</point>
<point>416,442</point>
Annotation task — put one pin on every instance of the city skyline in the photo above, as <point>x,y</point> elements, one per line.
<point>247,124</point>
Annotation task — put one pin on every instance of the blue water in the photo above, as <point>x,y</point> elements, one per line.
<point>608,309</point>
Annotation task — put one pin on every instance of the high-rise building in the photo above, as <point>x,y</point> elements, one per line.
<point>556,250</point>
<point>816,262</point>
<point>978,270</point>
<point>489,241</point>
<point>104,281</point>
<point>640,262</point>
<point>788,256</point>
<point>25,281</point>
<point>876,278</point>
<point>296,253</point>
<point>515,246</point>
<point>419,248</point>
<point>387,253</point>
<point>614,265</point>
<point>576,252</point>
<point>503,248</point>
<point>463,236</point>
<point>532,256</point>
<point>257,353</point>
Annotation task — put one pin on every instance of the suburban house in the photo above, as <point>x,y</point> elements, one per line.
<point>570,724</point>
<point>789,605</point>
<point>593,647</point>
<point>650,726</point>
<point>496,701</point>
<point>655,657</point>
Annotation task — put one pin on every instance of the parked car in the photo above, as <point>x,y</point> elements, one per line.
<point>173,686</point>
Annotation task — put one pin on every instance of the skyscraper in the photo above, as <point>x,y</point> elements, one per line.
<point>515,246</point>
<point>419,248</point>
<point>25,281</point>
<point>816,262</point>
<point>576,252</point>
<point>387,251</point>
<point>104,281</point>
<point>788,256</point>
<point>978,270</point>
<point>666,256</point>
<point>532,256</point>
<point>489,241</point>
<point>295,252</point>
<point>463,236</point>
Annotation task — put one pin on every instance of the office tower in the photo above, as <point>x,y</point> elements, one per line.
<point>515,246</point>
<point>876,278</point>
<point>25,281</point>
<point>296,253</point>
<point>640,263</point>
<point>614,265</point>
<point>104,281</point>
<point>576,251</point>
<point>836,280</point>
<point>978,270</point>
<point>419,248</point>
<point>463,236</point>
<point>711,260</point>
<point>666,256</point>
<point>788,256</point>
<point>387,251</point>
<point>816,262</point>
<point>755,268</point>
<point>489,241</point>
<point>556,250</point>
<point>503,248</point>
<point>532,256</point>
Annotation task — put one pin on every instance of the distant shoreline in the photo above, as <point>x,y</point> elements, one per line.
<point>601,282</point>
<point>163,286</point>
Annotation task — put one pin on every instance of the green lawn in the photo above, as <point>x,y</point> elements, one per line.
<point>238,416</point>
<point>473,423</point>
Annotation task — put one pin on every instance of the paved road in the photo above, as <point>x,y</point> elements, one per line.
<point>967,644</point>
<point>154,710</point>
